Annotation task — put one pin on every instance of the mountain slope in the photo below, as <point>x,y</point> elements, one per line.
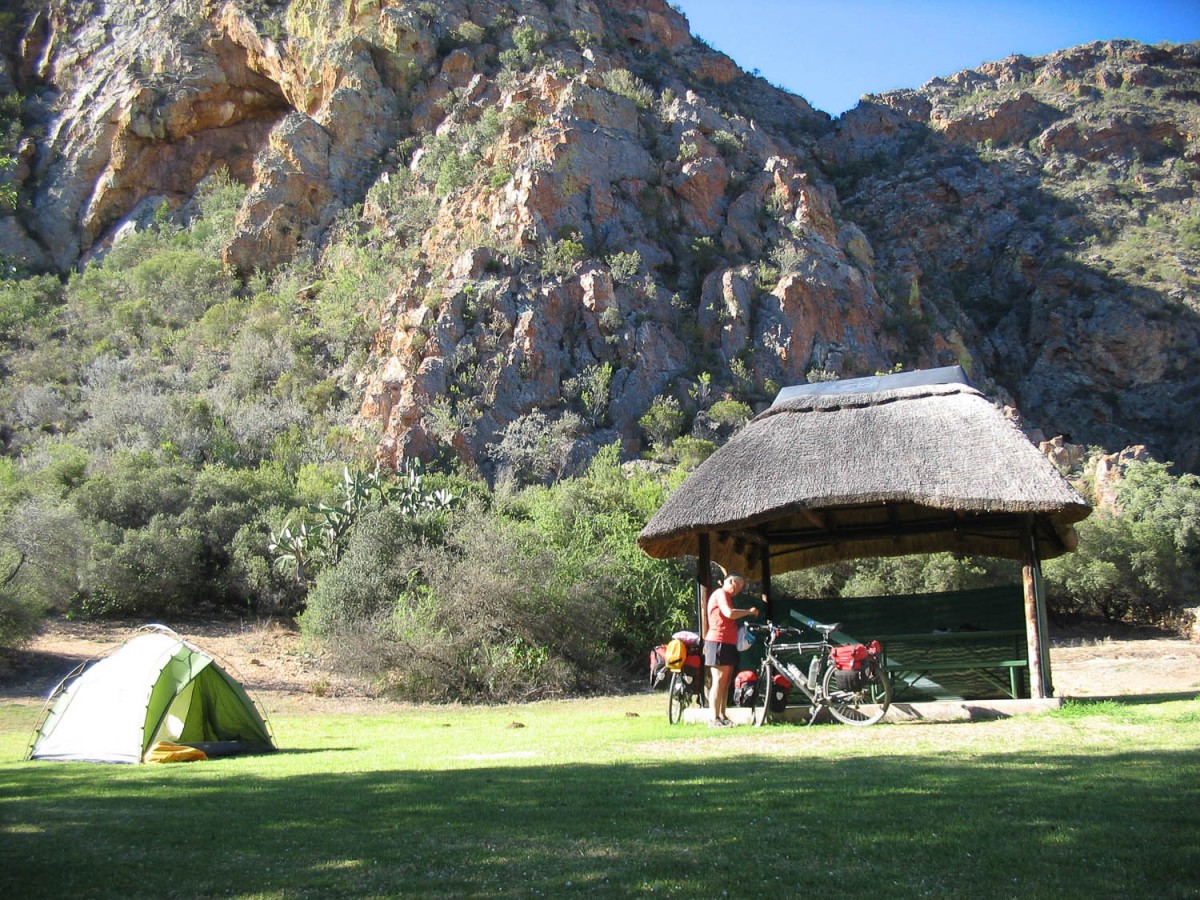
<point>587,215</point>
<point>1044,211</point>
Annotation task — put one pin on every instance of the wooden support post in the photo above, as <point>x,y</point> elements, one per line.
<point>1033,629</point>
<point>1039,589</point>
<point>703,582</point>
<point>766,586</point>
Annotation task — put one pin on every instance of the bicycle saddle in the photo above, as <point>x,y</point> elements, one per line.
<point>827,630</point>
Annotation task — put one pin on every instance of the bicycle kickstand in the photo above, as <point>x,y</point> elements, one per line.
<point>816,711</point>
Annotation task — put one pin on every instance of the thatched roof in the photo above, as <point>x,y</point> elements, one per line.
<point>830,476</point>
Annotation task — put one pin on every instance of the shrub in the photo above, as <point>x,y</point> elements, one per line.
<point>544,594</point>
<point>626,84</point>
<point>591,389</point>
<point>19,616</point>
<point>625,266</point>
<point>383,558</point>
<point>24,303</point>
<point>561,257</point>
<point>662,422</point>
<point>492,612</point>
<point>155,570</point>
<point>886,576</point>
<point>727,143</point>
<point>533,449</point>
<point>691,451</point>
<point>732,413</point>
<point>42,547</point>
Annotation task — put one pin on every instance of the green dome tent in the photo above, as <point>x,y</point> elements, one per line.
<point>155,687</point>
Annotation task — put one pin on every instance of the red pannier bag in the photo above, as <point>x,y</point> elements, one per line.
<point>849,656</point>
<point>745,688</point>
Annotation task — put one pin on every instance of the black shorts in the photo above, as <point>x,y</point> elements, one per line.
<point>718,654</point>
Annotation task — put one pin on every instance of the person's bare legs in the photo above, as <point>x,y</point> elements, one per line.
<point>718,691</point>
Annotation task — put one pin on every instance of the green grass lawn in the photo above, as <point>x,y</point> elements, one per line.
<point>1097,800</point>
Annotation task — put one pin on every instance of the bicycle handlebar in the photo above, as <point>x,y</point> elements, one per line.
<point>775,632</point>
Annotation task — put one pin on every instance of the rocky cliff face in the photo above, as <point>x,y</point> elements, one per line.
<point>1041,215</point>
<point>589,213</point>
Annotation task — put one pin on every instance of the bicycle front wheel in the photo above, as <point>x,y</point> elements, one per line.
<point>864,704</point>
<point>762,701</point>
<point>677,698</point>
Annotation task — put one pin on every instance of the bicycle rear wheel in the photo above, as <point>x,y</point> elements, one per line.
<point>865,705</point>
<point>762,701</point>
<point>677,697</point>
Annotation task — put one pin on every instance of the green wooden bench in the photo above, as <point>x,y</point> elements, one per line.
<point>965,645</point>
<point>975,662</point>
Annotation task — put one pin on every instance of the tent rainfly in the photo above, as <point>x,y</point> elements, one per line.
<point>919,462</point>
<point>155,687</point>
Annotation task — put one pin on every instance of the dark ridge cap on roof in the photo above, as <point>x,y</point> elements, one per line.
<point>838,402</point>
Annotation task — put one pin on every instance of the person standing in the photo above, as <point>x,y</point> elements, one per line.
<point>720,643</point>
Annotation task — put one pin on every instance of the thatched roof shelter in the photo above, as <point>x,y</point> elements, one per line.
<point>919,462</point>
<point>870,467</point>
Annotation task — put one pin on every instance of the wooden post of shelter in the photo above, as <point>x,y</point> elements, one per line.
<point>703,582</point>
<point>1039,680</point>
<point>1039,589</point>
<point>766,585</point>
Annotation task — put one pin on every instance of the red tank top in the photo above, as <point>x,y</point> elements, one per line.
<point>721,628</point>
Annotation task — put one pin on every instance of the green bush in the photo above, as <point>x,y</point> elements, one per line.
<point>534,449</point>
<point>662,422</point>
<point>26,303</point>
<point>1139,563</point>
<point>382,560</point>
<point>150,571</point>
<point>543,594</point>
<point>884,576</point>
<point>732,413</point>
<point>19,617</point>
<point>625,266</point>
<point>487,613</point>
<point>560,258</point>
<point>691,451</point>
<point>626,84</point>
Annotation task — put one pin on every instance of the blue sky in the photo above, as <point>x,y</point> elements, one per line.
<point>832,51</point>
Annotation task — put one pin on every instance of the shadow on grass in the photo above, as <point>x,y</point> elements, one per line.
<point>993,825</point>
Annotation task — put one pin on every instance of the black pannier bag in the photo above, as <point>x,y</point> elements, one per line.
<point>780,686</point>
<point>849,679</point>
